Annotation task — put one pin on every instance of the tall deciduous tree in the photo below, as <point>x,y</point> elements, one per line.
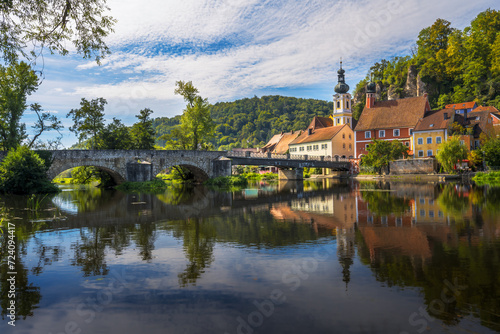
<point>88,120</point>
<point>143,133</point>
<point>115,136</point>
<point>45,122</point>
<point>197,127</point>
<point>451,152</point>
<point>29,26</point>
<point>17,81</point>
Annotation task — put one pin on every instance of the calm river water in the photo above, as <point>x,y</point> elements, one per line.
<point>319,257</point>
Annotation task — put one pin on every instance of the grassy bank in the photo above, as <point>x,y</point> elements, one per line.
<point>227,182</point>
<point>491,178</point>
<point>260,177</point>
<point>155,186</point>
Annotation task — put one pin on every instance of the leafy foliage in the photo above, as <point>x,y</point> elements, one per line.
<point>88,120</point>
<point>491,149</point>
<point>455,65</point>
<point>143,132</point>
<point>196,128</point>
<point>17,81</point>
<point>451,152</point>
<point>381,152</point>
<point>24,172</point>
<point>52,24</point>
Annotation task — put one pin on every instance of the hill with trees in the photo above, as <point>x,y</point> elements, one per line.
<point>449,64</point>
<point>251,122</point>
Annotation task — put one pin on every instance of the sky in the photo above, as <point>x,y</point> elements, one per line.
<point>232,49</point>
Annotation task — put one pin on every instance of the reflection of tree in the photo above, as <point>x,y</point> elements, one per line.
<point>474,268</point>
<point>178,194</point>
<point>144,237</point>
<point>383,203</point>
<point>27,295</point>
<point>86,200</point>
<point>90,252</point>
<point>453,202</point>
<point>199,238</point>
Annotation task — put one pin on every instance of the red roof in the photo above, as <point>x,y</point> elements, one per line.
<point>393,114</point>
<point>464,105</point>
<point>487,108</point>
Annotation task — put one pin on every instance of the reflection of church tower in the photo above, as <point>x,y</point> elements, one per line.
<point>342,113</point>
<point>345,252</point>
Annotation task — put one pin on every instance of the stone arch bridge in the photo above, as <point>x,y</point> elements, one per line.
<point>143,165</point>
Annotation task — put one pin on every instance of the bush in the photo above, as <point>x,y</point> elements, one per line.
<point>24,172</point>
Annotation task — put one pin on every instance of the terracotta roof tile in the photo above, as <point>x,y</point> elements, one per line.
<point>435,120</point>
<point>479,120</point>
<point>393,114</point>
<point>286,139</point>
<point>321,134</point>
<point>487,108</point>
<point>273,142</point>
<point>464,105</point>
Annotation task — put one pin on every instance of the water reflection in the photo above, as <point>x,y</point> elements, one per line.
<point>440,240</point>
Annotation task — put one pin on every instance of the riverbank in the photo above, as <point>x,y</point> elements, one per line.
<point>490,178</point>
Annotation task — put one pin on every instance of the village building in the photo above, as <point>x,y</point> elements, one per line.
<point>321,138</point>
<point>278,144</point>
<point>388,120</point>
<point>433,130</point>
<point>462,108</point>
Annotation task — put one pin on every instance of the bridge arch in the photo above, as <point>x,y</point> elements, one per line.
<point>53,171</point>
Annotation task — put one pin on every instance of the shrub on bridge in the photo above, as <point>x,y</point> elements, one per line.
<point>24,172</point>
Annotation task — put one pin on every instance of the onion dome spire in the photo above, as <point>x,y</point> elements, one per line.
<point>341,87</point>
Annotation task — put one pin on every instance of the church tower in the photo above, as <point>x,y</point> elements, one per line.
<point>342,113</point>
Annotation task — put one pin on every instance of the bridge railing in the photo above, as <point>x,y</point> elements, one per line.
<point>285,156</point>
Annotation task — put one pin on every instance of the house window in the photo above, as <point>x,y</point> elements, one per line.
<point>349,136</point>
<point>429,140</point>
<point>324,146</point>
<point>368,134</point>
<point>422,213</point>
<point>420,141</point>
<point>309,148</point>
<point>396,133</point>
<point>343,136</point>
<point>411,132</point>
<point>462,142</point>
<point>343,145</point>
<point>338,104</point>
<point>366,146</point>
<point>476,143</point>
<point>338,120</point>
<point>350,147</point>
<point>315,147</point>
<point>301,149</point>
<point>421,200</point>
<point>348,120</point>
<point>438,140</point>
<point>381,133</point>
<point>420,153</point>
<point>399,221</point>
<point>407,143</point>
<point>429,153</point>
<point>347,105</point>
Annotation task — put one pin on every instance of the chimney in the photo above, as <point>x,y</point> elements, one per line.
<point>310,131</point>
<point>370,100</point>
<point>465,114</point>
<point>445,115</point>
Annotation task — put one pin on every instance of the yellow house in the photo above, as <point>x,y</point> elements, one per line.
<point>431,131</point>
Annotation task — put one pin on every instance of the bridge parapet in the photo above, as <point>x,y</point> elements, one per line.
<point>273,156</point>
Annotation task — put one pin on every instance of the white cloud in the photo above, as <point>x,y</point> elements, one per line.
<point>264,46</point>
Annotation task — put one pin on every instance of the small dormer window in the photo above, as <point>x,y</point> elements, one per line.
<point>431,125</point>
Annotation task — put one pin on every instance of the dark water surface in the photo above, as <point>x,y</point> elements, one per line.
<point>290,258</point>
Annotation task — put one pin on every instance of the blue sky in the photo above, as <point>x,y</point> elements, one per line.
<point>232,49</point>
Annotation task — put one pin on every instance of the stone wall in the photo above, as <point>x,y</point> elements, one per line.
<point>413,166</point>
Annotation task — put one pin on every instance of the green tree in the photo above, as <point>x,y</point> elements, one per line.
<point>45,122</point>
<point>88,120</point>
<point>115,136</point>
<point>451,152</point>
<point>142,132</point>
<point>17,81</point>
<point>24,172</point>
<point>381,152</point>
<point>29,26</point>
<point>197,127</point>
<point>491,150</point>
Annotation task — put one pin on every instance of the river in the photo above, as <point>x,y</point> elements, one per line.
<point>312,257</point>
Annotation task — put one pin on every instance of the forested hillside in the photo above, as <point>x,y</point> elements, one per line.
<point>449,64</point>
<point>251,122</point>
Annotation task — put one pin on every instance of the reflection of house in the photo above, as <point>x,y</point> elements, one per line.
<point>323,139</point>
<point>388,120</point>
<point>427,210</point>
